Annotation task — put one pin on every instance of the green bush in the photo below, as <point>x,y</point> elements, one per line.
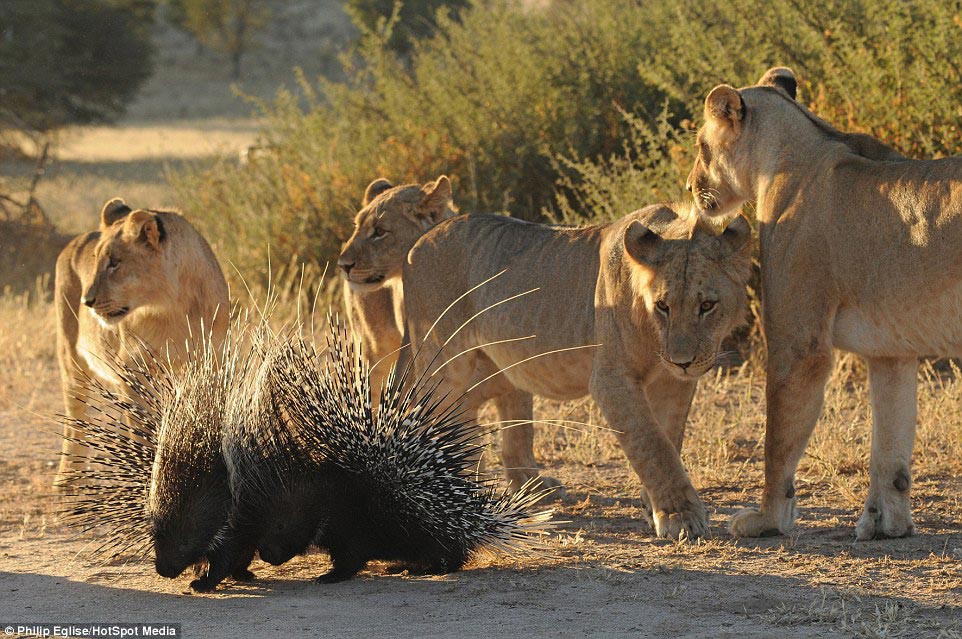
<point>891,68</point>
<point>562,111</point>
<point>71,61</point>
<point>415,19</point>
<point>493,100</point>
<point>644,171</point>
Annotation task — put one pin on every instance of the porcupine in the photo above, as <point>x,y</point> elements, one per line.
<point>155,476</point>
<point>397,483</point>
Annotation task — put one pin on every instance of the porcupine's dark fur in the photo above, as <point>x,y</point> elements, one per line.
<point>396,483</point>
<point>155,476</point>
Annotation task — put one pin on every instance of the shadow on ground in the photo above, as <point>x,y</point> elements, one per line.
<point>566,601</point>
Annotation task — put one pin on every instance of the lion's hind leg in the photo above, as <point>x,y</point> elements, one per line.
<point>72,449</point>
<point>515,414</point>
<point>893,385</point>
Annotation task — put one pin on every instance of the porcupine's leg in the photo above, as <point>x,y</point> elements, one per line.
<point>221,561</point>
<point>448,562</point>
<point>441,566</point>
<point>348,551</point>
<point>241,571</point>
<point>346,565</point>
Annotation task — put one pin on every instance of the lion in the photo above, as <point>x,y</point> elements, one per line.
<point>145,280</point>
<point>632,312</point>
<point>861,250</point>
<point>391,220</point>
<point>384,231</point>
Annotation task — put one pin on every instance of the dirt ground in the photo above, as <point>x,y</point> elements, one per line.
<point>603,574</point>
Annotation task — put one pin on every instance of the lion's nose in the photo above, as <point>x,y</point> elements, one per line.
<point>88,301</point>
<point>346,265</point>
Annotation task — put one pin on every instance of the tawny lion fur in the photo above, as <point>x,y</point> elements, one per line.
<point>144,279</point>
<point>641,305</point>
<point>861,250</point>
<point>390,221</point>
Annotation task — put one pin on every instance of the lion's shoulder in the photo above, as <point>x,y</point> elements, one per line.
<point>77,251</point>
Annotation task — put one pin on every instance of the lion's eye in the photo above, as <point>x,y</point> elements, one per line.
<point>705,152</point>
<point>112,264</point>
<point>707,306</point>
<point>662,306</point>
<point>378,233</point>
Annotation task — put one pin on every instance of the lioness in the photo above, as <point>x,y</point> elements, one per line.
<point>391,220</point>
<point>861,250</point>
<point>145,279</point>
<point>654,292</point>
<point>373,299</point>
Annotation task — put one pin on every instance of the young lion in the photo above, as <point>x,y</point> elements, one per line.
<point>639,308</point>
<point>861,250</point>
<point>391,220</point>
<point>375,309</point>
<point>146,278</point>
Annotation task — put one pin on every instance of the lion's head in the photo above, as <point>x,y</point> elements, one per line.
<point>689,282</point>
<point>128,262</point>
<point>720,180</point>
<point>749,132</point>
<point>391,220</point>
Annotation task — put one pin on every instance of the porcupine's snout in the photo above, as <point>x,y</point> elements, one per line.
<point>275,554</point>
<point>170,557</point>
<point>169,568</point>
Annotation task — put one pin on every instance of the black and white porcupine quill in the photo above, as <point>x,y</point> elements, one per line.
<point>395,481</point>
<point>154,477</point>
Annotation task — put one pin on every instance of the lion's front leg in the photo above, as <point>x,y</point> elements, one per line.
<point>670,400</point>
<point>893,384</point>
<point>677,512</point>
<point>795,390</point>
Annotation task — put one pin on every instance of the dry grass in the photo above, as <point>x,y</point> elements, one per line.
<point>893,588</point>
<point>94,164</point>
<point>27,348</point>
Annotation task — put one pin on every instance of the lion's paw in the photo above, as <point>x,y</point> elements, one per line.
<point>885,521</point>
<point>689,521</point>
<point>555,489</point>
<point>751,522</point>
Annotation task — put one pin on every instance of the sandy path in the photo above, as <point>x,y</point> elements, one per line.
<point>604,574</point>
<point>477,603</point>
<point>605,577</point>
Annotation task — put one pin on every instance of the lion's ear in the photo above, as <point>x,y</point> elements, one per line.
<point>143,226</point>
<point>641,242</point>
<point>781,77</point>
<point>113,210</point>
<point>735,238</point>
<point>374,189</point>
<point>724,106</point>
<point>436,199</point>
